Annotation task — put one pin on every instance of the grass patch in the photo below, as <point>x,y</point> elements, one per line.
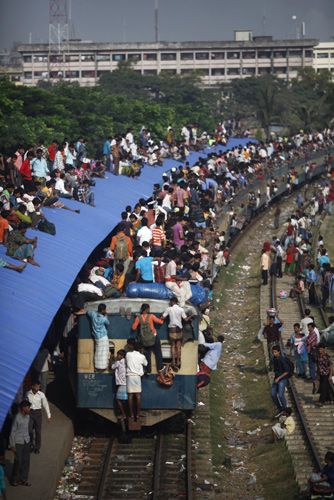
<point>244,364</point>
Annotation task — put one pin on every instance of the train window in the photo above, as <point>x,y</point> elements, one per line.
<point>111,347</point>
<point>166,352</point>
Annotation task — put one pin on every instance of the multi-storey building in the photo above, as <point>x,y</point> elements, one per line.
<point>84,62</point>
<point>324,57</point>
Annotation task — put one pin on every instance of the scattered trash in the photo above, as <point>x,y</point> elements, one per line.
<point>252,479</point>
<point>252,433</point>
<point>200,403</point>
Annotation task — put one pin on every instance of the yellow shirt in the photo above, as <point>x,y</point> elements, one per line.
<point>290,425</point>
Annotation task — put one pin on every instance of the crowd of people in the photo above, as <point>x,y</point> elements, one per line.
<point>170,239</point>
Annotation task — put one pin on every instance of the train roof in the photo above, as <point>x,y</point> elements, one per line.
<point>29,301</point>
<point>156,305</point>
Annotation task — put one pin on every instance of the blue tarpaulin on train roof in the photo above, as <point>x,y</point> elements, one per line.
<point>29,301</point>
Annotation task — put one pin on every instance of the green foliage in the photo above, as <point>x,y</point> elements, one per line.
<point>125,98</point>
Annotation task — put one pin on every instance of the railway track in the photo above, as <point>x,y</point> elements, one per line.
<point>314,434</point>
<point>155,466</point>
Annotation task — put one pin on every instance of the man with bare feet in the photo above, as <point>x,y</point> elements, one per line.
<point>135,362</point>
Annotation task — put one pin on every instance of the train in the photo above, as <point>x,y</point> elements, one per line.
<point>96,390</point>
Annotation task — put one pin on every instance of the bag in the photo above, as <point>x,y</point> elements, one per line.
<point>146,335</point>
<point>291,366</point>
<point>322,489</point>
<point>121,248</point>
<point>314,354</point>
<point>283,294</point>
<point>46,227</point>
<point>301,348</point>
<point>260,335</point>
<point>166,376</point>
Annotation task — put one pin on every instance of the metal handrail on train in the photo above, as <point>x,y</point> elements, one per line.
<point>293,389</point>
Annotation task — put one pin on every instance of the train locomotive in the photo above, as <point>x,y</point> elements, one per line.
<point>96,390</point>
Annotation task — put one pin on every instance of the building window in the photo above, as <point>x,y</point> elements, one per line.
<point>332,54</point>
<point>279,71</point>
<point>248,71</point>
<point>150,57</point>
<point>168,71</point>
<point>27,59</point>
<point>233,55</point>
<point>295,53</point>
<point>218,71</point>
<point>15,78</point>
<point>264,71</point>
<point>28,75</point>
<point>87,57</point>
<point>103,57</point>
<point>137,71</point>
<point>248,55</point>
<point>278,54</point>
<point>40,74</point>
<point>203,71</point>
<point>102,72</point>
<point>186,72</point>
<point>72,74</point>
<point>263,54</point>
<point>187,56</point>
<point>56,74</point>
<point>72,58</point>
<point>322,55</point>
<point>217,55</point>
<point>88,74</point>
<point>40,58</point>
<point>294,68</point>
<point>233,71</point>
<point>150,72</point>
<point>118,57</point>
<point>168,57</point>
<point>202,56</point>
<point>309,53</point>
<point>134,57</point>
<point>55,58</point>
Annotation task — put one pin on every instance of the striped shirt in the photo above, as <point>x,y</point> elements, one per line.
<point>158,235</point>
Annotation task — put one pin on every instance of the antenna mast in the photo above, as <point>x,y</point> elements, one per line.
<point>58,39</point>
<point>156,8</point>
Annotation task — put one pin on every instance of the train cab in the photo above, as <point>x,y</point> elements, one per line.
<point>97,389</point>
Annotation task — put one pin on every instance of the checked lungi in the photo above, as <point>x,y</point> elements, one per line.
<point>101,353</point>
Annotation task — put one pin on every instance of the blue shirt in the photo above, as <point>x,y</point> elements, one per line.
<point>210,183</point>
<point>323,259</point>
<point>106,147</point>
<point>212,356</point>
<point>329,473</point>
<point>145,266</point>
<point>39,167</point>
<point>312,276</point>
<point>99,324</point>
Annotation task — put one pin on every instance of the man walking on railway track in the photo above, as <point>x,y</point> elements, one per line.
<point>271,333</point>
<point>281,370</point>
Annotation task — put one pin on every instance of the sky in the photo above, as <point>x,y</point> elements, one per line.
<point>179,20</point>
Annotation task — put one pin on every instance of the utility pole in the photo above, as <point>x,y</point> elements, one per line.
<point>58,39</point>
<point>156,19</point>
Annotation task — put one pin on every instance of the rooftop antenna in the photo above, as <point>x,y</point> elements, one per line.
<point>71,30</point>
<point>156,8</point>
<point>58,38</point>
<point>264,22</point>
<point>124,30</point>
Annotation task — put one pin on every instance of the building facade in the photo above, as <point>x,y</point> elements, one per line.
<point>324,57</point>
<point>217,62</point>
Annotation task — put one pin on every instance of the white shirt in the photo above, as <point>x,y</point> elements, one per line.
<point>135,361</point>
<point>303,325</point>
<point>134,149</point>
<point>38,400</point>
<point>129,137</point>
<point>86,287</point>
<point>144,234</point>
<point>60,186</point>
<point>175,313</point>
<point>185,133</point>
<point>94,278</point>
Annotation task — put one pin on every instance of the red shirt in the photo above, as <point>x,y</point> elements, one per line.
<point>52,152</point>
<point>25,170</point>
